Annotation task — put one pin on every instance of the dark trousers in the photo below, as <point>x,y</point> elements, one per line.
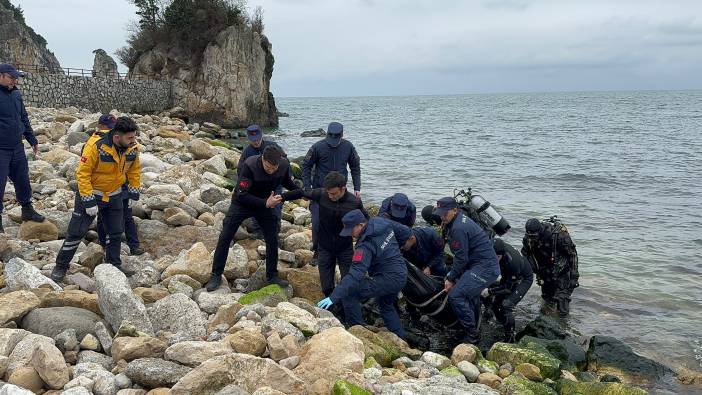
<point>504,304</point>
<point>113,223</point>
<point>130,229</point>
<point>384,289</point>
<point>13,164</point>
<point>557,290</point>
<point>236,215</point>
<point>314,210</point>
<point>464,297</point>
<point>326,263</point>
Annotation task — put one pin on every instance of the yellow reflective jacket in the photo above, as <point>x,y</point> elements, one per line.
<point>103,169</point>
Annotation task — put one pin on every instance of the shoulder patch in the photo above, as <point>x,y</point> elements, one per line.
<point>244,184</point>
<point>83,159</point>
<point>357,256</point>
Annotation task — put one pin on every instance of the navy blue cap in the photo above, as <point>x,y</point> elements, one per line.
<point>533,227</point>
<point>335,131</point>
<point>445,204</point>
<point>398,205</point>
<point>350,220</point>
<point>254,132</point>
<point>108,120</point>
<point>6,68</point>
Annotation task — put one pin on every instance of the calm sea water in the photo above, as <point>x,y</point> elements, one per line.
<point>622,169</point>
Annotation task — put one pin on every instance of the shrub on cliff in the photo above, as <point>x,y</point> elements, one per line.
<point>185,24</point>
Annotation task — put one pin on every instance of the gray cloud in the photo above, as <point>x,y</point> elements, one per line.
<point>341,47</point>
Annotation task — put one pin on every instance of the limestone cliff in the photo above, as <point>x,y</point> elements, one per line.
<point>19,44</point>
<point>103,65</point>
<point>228,84</point>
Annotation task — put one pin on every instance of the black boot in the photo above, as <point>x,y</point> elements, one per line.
<point>471,337</point>
<point>510,337</point>
<point>278,281</point>
<point>59,273</point>
<point>214,283</point>
<point>29,214</point>
<point>136,251</point>
<point>2,229</point>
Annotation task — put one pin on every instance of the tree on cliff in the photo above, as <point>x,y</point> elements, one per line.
<point>18,15</point>
<point>186,24</point>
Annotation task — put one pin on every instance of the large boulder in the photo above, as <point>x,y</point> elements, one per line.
<point>201,149</point>
<point>42,231</point>
<point>193,353</point>
<point>21,275</point>
<point>514,354</point>
<point>515,384</point>
<point>130,348</point>
<point>160,239</point>
<point>48,361</point>
<point>305,283</point>
<point>68,298</point>
<point>334,344</point>
<point>21,354</point>
<point>209,302</point>
<point>178,313</point>
<point>9,339</point>
<point>297,241</point>
<point>610,355</point>
<point>51,321</point>
<point>194,262</point>
<point>571,355</point>
<point>14,305</point>
<point>439,385</point>
<point>237,263</point>
<point>215,164</point>
<point>302,319</point>
<point>117,301</point>
<point>246,371</point>
<point>155,372</point>
<point>247,341</point>
<point>383,351</point>
<point>567,387</point>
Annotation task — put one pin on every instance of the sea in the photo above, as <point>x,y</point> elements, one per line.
<point>622,170</point>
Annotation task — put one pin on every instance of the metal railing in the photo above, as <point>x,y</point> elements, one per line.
<point>74,72</point>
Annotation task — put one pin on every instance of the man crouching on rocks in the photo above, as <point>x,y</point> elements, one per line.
<point>258,178</point>
<point>105,165</point>
<point>378,255</point>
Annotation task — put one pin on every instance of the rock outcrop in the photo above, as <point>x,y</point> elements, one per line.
<point>19,43</point>
<point>230,84</point>
<point>103,65</point>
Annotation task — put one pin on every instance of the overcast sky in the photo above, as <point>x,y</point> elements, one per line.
<point>404,47</point>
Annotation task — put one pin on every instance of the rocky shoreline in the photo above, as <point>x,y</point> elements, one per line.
<point>159,332</point>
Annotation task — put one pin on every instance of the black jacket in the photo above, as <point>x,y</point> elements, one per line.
<point>254,185</point>
<point>14,122</point>
<point>250,151</point>
<point>514,269</point>
<point>330,214</point>
<point>552,253</point>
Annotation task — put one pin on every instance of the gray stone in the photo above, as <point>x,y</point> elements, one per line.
<point>21,275</point>
<point>232,389</point>
<point>104,336</point>
<point>193,353</point>
<point>67,340</point>
<point>117,301</point>
<point>211,194</point>
<point>9,339</point>
<point>23,351</point>
<point>209,302</point>
<point>436,360</point>
<point>11,389</point>
<point>175,286</point>
<point>79,390</point>
<point>469,370</point>
<point>155,372</point>
<point>178,313</point>
<point>50,321</point>
<point>439,385</point>
<point>75,138</point>
<point>96,357</point>
<point>83,282</point>
<point>271,324</point>
<point>122,381</point>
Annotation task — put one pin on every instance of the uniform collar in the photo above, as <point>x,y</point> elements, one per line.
<point>6,89</point>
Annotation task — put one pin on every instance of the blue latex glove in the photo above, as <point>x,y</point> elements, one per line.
<point>325,303</point>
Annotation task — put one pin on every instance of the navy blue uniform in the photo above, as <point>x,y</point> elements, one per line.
<point>428,251</point>
<point>130,228</point>
<point>14,125</point>
<point>516,280</point>
<point>253,187</point>
<point>377,255</point>
<point>321,159</point>
<point>332,247</point>
<point>474,268</point>
<point>409,218</point>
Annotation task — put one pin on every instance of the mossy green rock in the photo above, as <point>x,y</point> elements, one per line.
<point>571,355</point>
<point>567,387</point>
<point>267,296</point>
<point>515,385</point>
<point>515,354</point>
<point>374,346</point>
<point>219,143</point>
<point>370,362</point>
<point>343,387</point>
<point>586,377</point>
<point>451,371</point>
<point>296,170</point>
<point>483,364</point>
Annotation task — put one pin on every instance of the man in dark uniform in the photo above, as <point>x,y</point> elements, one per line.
<point>14,124</point>
<point>377,271</point>
<point>551,252</point>
<point>105,124</point>
<point>474,265</point>
<point>106,164</point>
<point>254,196</point>
<point>334,202</point>
<point>333,153</point>
<point>425,249</point>
<point>398,208</point>
<point>256,146</point>
<point>516,280</point>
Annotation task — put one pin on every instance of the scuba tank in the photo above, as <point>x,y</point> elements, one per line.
<point>485,210</point>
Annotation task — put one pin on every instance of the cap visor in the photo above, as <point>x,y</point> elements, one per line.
<point>441,211</point>
<point>398,212</point>
<point>334,140</point>
<point>346,231</point>
<point>255,138</point>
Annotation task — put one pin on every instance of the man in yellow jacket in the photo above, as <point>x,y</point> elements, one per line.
<point>105,165</point>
